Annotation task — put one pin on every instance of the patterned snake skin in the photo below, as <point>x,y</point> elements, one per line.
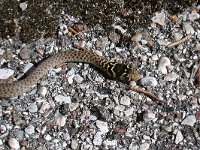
<point>114,70</point>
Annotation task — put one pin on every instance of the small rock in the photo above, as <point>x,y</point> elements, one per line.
<point>188,28</point>
<point>125,100</point>
<point>137,37</point>
<point>19,135</point>
<point>78,78</point>
<point>144,146</point>
<point>154,57</point>
<point>110,143</point>
<point>171,77</point>
<point>5,73</point>
<point>33,108</point>
<point>24,54</point>
<point>129,112</point>
<point>103,126</point>
<point>193,16</point>
<point>197,115</point>
<point>97,139</point>
<point>74,144</point>
<point>149,81</point>
<point>42,91</point>
<point>189,120</point>
<point>23,6</point>
<point>30,129</point>
<point>60,120</point>
<point>44,107</point>
<point>178,36</point>
<point>62,99</point>
<point>73,106</point>
<point>47,137</point>
<point>114,37</point>
<point>179,137</point>
<point>13,143</point>
<point>148,116</point>
<point>159,19</point>
<point>163,63</point>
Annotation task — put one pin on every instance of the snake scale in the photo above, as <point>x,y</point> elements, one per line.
<point>114,70</point>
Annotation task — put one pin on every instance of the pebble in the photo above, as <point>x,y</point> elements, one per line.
<point>179,137</point>
<point>188,28</point>
<point>110,143</point>
<point>19,134</point>
<point>163,63</point>
<point>13,143</point>
<point>178,36</point>
<point>78,78</point>
<point>97,139</point>
<point>148,116</point>
<point>47,137</point>
<point>5,73</point>
<point>189,120</point>
<point>114,37</point>
<point>33,108</point>
<point>129,112</point>
<point>73,106</point>
<point>103,126</point>
<point>30,129</point>
<point>74,144</point>
<point>42,91</point>
<point>125,100</point>
<point>25,54</point>
<point>44,107</point>
<point>159,18</point>
<point>144,146</point>
<point>23,6</point>
<point>62,99</point>
<point>60,120</point>
<point>171,77</point>
<point>193,16</point>
<point>137,37</point>
<point>149,81</point>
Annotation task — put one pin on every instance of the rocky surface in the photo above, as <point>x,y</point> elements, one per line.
<point>76,107</point>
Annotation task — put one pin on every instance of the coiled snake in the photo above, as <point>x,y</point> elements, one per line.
<point>114,70</point>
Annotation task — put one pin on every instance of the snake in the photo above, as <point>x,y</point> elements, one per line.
<point>113,70</point>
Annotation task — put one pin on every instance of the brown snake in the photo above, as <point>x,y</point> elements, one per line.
<point>114,70</point>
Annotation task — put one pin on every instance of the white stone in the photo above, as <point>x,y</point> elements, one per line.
<point>60,120</point>
<point>73,106</point>
<point>44,107</point>
<point>125,100</point>
<point>171,77</point>
<point>33,108</point>
<point>189,120</point>
<point>154,57</point>
<point>179,137</point>
<point>193,16</point>
<point>144,146</point>
<point>137,37</point>
<point>149,81</point>
<point>62,99</point>
<point>159,18</point>
<point>97,139</point>
<point>30,129</point>
<point>110,143</point>
<point>188,28</point>
<point>163,63</point>
<point>42,91</point>
<point>23,6</point>
<point>5,73</point>
<point>103,126</point>
<point>74,144</point>
<point>178,36</point>
<point>148,116</point>
<point>47,137</point>
<point>129,112</point>
<point>13,143</point>
<point>78,78</point>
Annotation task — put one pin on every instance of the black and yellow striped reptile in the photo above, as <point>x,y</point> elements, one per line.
<point>114,70</point>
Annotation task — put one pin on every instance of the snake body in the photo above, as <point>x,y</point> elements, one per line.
<point>114,70</point>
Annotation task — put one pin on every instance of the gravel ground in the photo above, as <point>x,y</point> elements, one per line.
<point>76,107</point>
